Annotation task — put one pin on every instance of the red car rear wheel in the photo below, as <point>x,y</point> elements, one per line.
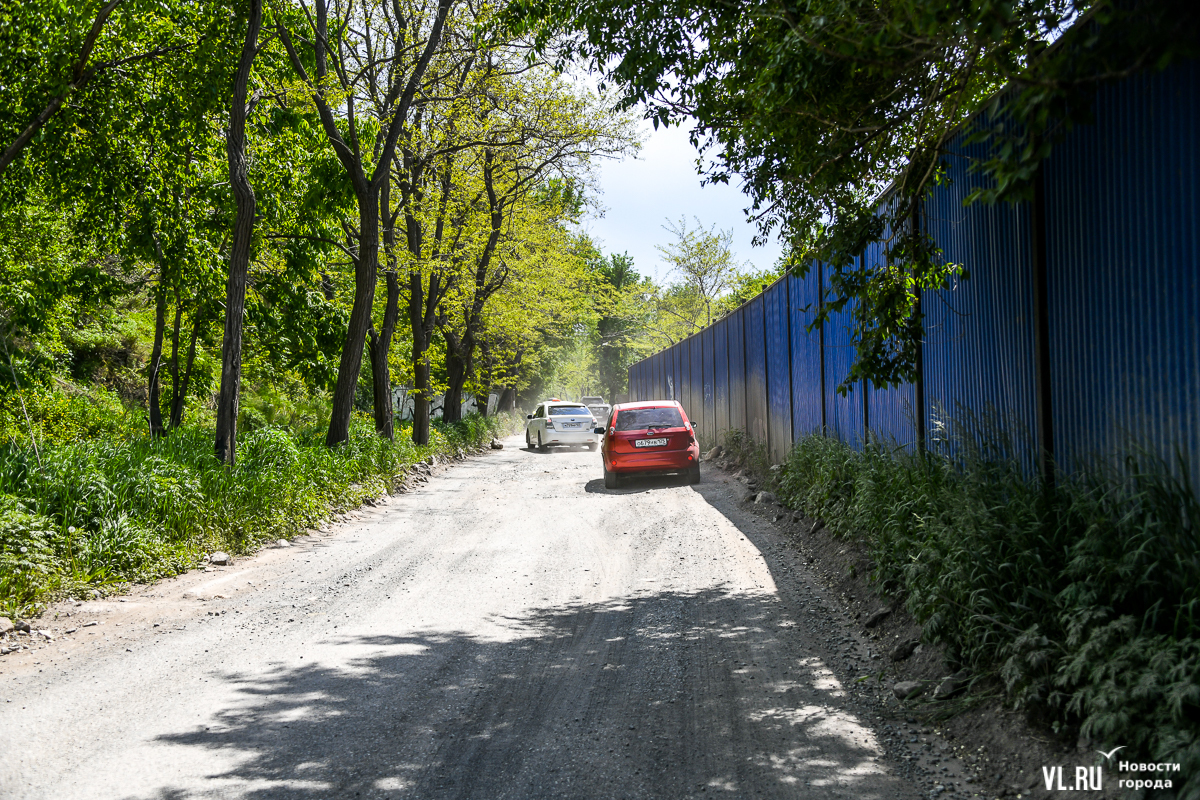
<point>611,481</point>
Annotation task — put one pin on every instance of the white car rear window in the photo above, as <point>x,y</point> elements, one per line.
<point>567,411</point>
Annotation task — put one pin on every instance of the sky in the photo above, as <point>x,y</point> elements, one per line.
<point>640,195</point>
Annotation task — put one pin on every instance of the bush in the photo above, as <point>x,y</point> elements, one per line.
<point>99,512</point>
<point>1082,600</point>
<point>61,412</point>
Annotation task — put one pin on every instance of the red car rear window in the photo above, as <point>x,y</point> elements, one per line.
<point>637,419</point>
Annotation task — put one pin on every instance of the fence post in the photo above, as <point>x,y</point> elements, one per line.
<point>745,380</point>
<point>866,404</point>
<point>787,293</point>
<point>821,341</point>
<point>766,375</point>
<point>919,415</point>
<point>1041,332</point>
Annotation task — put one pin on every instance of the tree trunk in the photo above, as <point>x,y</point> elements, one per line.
<point>485,377</point>
<point>239,252</point>
<point>160,320</point>
<point>420,396</point>
<point>365,276</point>
<point>180,399</point>
<point>508,399</point>
<point>456,376</point>
<point>460,351</point>
<point>381,344</point>
<point>175,358</point>
<point>421,320</point>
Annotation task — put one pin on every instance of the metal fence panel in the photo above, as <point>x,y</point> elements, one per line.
<point>666,381</point>
<point>756,371</point>
<point>779,373</point>
<point>671,379</point>
<point>679,371</point>
<point>890,413</point>
<point>843,413</point>
<point>695,383</point>
<point>721,378</point>
<point>979,350</point>
<point>708,429</point>
<point>806,354</point>
<point>682,351</point>
<point>1123,268</point>
<point>737,370</point>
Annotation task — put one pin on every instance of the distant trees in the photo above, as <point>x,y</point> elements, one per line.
<point>365,195</point>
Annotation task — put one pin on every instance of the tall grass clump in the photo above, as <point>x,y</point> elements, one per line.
<point>1082,600</point>
<point>93,513</point>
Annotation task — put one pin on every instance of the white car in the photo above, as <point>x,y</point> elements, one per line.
<point>599,410</point>
<point>560,422</point>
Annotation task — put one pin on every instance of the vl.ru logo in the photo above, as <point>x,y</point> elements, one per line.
<point>1085,779</point>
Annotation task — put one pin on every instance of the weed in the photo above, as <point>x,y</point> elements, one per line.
<point>1081,600</point>
<point>99,513</point>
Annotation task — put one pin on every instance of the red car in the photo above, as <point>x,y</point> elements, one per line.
<point>650,436</point>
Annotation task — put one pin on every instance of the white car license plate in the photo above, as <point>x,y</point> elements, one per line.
<point>572,424</point>
<point>649,442</point>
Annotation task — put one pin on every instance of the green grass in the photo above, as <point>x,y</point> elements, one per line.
<point>1083,602</point>
<point>99,513</point>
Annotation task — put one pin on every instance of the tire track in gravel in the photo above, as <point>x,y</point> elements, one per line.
<point>510,630</point>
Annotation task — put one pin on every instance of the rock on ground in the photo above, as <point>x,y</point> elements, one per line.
<point>903,650</point>
<point>877,617</point>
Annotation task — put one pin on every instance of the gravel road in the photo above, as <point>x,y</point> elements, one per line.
<point>509,630</point>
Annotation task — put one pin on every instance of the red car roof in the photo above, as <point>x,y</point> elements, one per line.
<point>649,404</point>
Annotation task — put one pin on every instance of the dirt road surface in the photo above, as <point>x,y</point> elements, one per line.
<point>509,630</point>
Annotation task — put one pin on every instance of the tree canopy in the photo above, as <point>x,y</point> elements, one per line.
<point>818,107</point>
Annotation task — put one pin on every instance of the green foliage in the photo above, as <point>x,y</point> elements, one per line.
<point>621,319</point>
<point>26,551</point>
<point>817,107</point>
<point>60,412</point>
<point>1082,601</point>
<point>99,512</point>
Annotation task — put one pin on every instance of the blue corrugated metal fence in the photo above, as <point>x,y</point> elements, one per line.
<point>1120,206</point>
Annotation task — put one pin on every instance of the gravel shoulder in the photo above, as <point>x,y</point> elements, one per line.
<point>510,629</point>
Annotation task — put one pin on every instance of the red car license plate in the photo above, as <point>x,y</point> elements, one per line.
<point>649,442</point>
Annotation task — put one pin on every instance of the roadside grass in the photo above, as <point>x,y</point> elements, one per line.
<point>1082,601</point>
<point>98,513</point>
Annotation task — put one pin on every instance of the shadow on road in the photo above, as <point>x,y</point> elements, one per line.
<point>659,695</point>
<point>648,483</point>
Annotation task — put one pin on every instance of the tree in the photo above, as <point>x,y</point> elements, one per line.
<point>373,57</point>
<point>820,106</point>
<point>540,134</point>
<point>239,252</point>
<point>621,320</point>
<point>140,176</point>
<point>50,57</point>
<point>705,261</point>
<point>482,188</point>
